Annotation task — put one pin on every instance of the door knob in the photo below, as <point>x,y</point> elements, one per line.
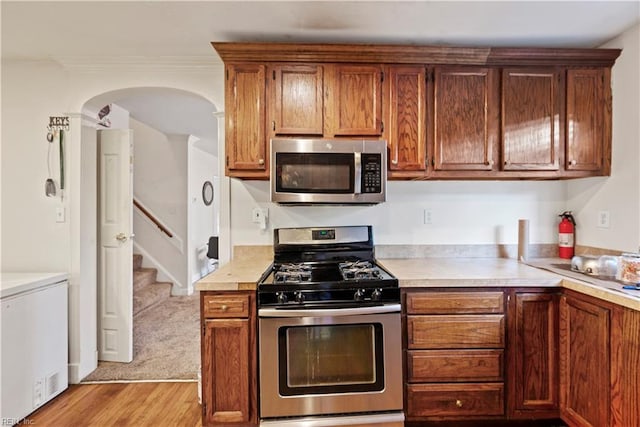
<point>121,237</point>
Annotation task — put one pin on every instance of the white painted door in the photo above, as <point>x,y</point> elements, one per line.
<point>115,260</point>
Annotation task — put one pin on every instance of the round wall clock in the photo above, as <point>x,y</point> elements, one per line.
<point>207,193</point>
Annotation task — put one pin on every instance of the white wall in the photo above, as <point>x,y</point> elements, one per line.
<point>31,239</point>
<point>620,193</point>
<point>160,184</point>
<point>204,220</point>
<point>463,212</point>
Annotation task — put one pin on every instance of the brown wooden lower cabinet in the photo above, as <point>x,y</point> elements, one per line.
<point>584,362</point>
<point>229,368</point>
<point>533,349</point>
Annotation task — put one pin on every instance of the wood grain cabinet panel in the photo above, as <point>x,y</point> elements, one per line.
<point>531,122</point>
<point>245,105</point>
<point>584,363</point>
<point>455,366</point>
<point>465,125</point>
<point>534,346</point>
<point>625,367</point>
<point>586,105</point>
<point>406,118</point>
<point>454,302</point>
<point>455,331</point>
<point>297,93</point>
<point>229,360</point>
<point>455,400</point>
<point>353,100</point>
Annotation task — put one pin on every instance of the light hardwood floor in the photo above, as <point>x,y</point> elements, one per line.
<point>122,404</point>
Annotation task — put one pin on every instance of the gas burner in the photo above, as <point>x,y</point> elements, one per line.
<point>359,270</point>
<point>293,273</point>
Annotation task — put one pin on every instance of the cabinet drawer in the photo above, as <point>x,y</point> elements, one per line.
<point>458,331</point>
<point>455,302</point>
<point>438,400</point>
<point>455,366</point>
<point>218,306</point>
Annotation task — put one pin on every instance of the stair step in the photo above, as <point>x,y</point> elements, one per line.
<point>150,296</point>
<point>143,277</point>
<point>137,261</point>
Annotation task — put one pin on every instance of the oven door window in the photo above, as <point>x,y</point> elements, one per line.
<point>331,173</point>
<point>319,359</point>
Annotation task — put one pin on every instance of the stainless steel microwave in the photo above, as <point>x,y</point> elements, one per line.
<point>328,171</point>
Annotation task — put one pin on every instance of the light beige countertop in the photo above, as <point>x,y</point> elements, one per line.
<point>241,273</point>
<point>244,271</point>
<point>459,272</point>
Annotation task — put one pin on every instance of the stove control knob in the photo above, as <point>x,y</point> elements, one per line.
<point>299,296</point>
<point>376,295</point>
<point>359,295</point>
<point>282,298</point>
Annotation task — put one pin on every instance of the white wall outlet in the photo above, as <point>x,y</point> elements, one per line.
<point>60,217</point>
<point>603,219</point>
<point>428,217</point>
<point>260,216</point>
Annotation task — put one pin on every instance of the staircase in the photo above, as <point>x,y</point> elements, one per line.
<point>147,291</point>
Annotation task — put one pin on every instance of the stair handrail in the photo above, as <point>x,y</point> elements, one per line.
<point>152,218</point>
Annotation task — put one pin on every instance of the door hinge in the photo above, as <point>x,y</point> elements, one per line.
<point>227,160</point>
<point>227,74</point>
<point>274,74</point>
<point>381,126</point>
<point>382,76</point>
<point>273,125</point>
<point>433,161</point>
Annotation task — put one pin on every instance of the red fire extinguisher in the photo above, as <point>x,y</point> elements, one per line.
<point>565,235</point>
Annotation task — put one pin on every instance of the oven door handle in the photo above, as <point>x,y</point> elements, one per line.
<point>328,312</point>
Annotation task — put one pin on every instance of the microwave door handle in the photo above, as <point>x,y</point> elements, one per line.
<point>357,173</point>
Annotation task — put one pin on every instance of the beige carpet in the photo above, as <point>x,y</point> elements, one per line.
<point>166,344</point>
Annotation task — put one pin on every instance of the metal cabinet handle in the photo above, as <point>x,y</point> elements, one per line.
<point>394,161</point>
<point>261,161</point>
<point>224,308</point>
<point>573,162</point>
<point>459,403</point>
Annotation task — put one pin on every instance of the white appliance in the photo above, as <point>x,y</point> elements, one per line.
<point>34,356</point>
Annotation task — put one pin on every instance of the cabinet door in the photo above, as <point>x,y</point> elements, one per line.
<point>585,119</point>
<point>584,363</point>
<point>245,97</point>
<point>406,118</point>
<point>530,119</point>
<point>535,341</point>
<point>465,121</point>
<point>226,372</point>
<point>298,100</point>
<point>353,95</point>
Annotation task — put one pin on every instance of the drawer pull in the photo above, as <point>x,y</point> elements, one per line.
<point>224,308</point>
<point>459,403</point>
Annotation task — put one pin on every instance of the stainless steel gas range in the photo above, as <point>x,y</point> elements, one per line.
<point>329,332</point>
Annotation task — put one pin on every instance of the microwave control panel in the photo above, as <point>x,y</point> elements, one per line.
<point>371,173</point>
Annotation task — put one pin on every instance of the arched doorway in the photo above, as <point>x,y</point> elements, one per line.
<point>176,145</point>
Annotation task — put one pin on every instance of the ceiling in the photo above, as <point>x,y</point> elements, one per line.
<point>182,30</point>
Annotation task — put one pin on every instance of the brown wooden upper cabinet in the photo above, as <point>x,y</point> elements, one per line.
<point>245,99</point>
<point>297,93</point>
<point>353,100</point>
<point>445,112</point>
<point>531,124</point>
<point>406,118</point>
<point>465,119</point>
<point>587,124</point>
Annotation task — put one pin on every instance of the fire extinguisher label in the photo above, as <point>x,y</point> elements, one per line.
<point>565,240</point>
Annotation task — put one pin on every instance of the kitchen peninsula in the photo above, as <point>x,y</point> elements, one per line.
<point>536,328</point>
